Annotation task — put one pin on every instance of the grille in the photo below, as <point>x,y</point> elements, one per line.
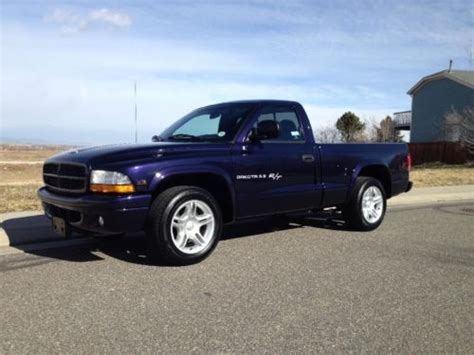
<point>65,177</point>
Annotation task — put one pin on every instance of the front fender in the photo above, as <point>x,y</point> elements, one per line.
<point>166,175</point>
<point>170,172</point>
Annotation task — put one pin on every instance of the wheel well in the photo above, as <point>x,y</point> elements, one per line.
<point>215,184</point>
<point>380,173</point>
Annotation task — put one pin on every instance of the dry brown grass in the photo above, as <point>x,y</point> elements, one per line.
<point>29,153</point>
<point>19,198</point>
<point>26,155</point>
<point>20,177</point>
<point>20,174</point>
<point>442,175</point>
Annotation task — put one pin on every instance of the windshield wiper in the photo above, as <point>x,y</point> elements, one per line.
<point>183,136</point>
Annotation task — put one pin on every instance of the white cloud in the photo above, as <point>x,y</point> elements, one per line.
<point>60,15</point>
<point>114,18</point>
<point>72,22</point>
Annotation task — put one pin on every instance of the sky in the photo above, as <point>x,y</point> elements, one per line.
<point>68,68</point>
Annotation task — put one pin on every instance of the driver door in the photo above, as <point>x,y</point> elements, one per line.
<point>276,175</point>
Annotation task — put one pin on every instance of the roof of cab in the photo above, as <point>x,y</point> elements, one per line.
<point>258,102</point>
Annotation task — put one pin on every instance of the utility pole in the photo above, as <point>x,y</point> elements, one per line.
<point>136,112</point>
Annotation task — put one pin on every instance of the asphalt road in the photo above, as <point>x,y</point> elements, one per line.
<point>311,287</point>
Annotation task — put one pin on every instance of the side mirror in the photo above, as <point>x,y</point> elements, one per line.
<point>268,130</point>
<point>156,139</point>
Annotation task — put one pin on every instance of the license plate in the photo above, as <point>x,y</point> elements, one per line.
<point>60,227</point>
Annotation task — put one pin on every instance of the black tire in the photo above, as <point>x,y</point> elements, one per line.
<point>158,226</point>
<point>352,212</point>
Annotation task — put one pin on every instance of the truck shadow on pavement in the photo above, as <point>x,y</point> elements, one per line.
<point>25,229</point>
<point>131,248</point>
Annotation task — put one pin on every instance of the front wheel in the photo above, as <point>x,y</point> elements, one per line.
<point>366,208</point>
<point>184,225</point>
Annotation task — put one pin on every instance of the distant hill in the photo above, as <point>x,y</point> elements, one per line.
<point>25,146</point>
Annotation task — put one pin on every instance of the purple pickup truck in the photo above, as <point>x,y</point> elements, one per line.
<point>220,164</point>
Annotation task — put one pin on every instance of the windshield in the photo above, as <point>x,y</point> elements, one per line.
<point>219,123</point>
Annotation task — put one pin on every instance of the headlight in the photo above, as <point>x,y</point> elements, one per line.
<point>110,182</point>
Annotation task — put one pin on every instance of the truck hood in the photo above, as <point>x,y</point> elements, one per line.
<point>134,153</point>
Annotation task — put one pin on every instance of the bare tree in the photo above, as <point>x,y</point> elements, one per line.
<point>372,129</point>
<point>385,131</point>
<point>459,127</point>
<point>361,136</point>
<point>327,135</point>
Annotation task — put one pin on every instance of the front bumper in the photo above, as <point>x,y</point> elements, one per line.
<point>119,213</point>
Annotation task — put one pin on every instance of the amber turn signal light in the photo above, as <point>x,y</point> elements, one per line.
<point>112,189</point>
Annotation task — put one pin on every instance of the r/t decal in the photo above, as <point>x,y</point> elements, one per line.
<point>275,176</point>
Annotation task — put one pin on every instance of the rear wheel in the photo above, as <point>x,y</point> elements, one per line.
<point>367,206</point>
<point>184,225</point>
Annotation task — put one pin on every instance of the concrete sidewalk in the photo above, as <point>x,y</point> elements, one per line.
<point>21,228</point>
<point>433,195</point>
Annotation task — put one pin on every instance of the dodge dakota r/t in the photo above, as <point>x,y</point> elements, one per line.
<point>220,164</point>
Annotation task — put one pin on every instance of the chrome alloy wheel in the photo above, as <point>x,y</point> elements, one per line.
<point>372,204</point>
<point>192,226</point>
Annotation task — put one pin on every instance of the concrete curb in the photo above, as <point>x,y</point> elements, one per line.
<point>33,228</point>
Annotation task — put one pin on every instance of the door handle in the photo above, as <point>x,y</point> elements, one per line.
<point>308,158</point>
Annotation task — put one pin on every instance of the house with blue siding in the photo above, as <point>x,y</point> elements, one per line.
<point>433,97</point>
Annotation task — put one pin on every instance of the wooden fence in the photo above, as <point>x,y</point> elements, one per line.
<point>445,152</point>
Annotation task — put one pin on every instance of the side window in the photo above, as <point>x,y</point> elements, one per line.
<point>290,125</point>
